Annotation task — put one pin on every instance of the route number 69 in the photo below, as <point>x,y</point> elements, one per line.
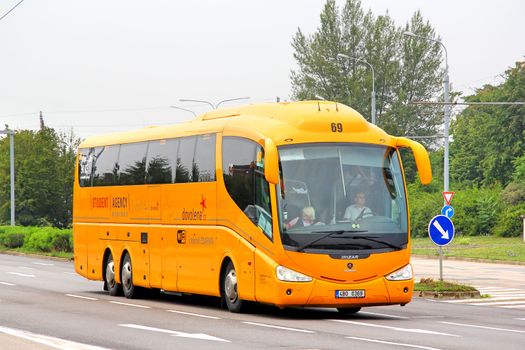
<point>336,127</point>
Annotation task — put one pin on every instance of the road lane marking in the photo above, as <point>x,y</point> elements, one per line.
<point>384,315</point>
<point>7,284</point>
<point>410,330</point>
<point>21,274</point>
<point>392,343</point>
<point>192,314</point>
<point>43,264</point>
<point>513,306</point>
<point>279,327</point>
<point>201,336</point>
<point>53,342</point>
<point>482,327</point>
<point>80,297</point>
<point>499,303</point>
<point>520,319</point>
<point>465,301</point>
<point>133,305</point>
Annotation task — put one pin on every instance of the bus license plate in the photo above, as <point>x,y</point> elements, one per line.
<point>352,293</point>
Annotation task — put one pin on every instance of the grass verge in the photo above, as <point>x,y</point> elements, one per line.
<point>507,249</point>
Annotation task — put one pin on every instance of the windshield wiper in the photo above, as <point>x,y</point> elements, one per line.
<point>327,234</point>
<point>372,239</point>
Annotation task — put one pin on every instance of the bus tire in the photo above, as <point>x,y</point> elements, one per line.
<point>110,283</point>
<point>229,289</point>
<point>348,310</point>
<point>126,277</point>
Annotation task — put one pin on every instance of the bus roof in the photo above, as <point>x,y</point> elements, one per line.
<point>284,122</point>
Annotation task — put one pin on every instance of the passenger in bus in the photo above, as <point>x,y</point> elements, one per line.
<point>358,210</point>
<point>307,219</point>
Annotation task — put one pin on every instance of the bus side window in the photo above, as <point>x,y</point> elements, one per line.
<point>105,165</point>
<point>185,165</point>
<point>132,163</point>
<point>204,162</point>
<point>242,164</point>
<point>85,166</point>
<point>162,161</point>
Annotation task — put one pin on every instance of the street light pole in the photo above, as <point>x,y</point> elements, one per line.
<point>213,106</point>
<point>446,117</point>
<point>11,134</point>
<point>446,122</point>
<point>373,99</point>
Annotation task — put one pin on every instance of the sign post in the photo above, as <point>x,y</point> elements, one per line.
<point>441,232</point>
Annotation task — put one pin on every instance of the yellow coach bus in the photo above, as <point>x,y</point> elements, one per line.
<point>290,204</point>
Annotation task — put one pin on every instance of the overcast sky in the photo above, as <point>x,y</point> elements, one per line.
<point>98,66</point>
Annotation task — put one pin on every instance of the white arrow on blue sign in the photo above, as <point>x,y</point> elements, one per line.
<point>441,230</point>
<point>448,211</point>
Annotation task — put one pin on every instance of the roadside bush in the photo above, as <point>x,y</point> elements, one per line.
<point>423,207</point>
<point>510,223</point>
<point>13,240</point>
<point>37,239</point>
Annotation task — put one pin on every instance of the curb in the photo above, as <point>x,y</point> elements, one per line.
<point>448,295</point>
<point>487,261</point>
<point>35,255</point>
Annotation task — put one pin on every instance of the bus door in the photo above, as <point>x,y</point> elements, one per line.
<point>155,236</point>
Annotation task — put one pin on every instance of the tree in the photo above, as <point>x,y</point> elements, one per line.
<point>44,165</point>
<point>406,69</point>
<point>489,141</point>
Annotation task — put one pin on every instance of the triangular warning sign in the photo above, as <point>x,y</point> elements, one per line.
<point>448,197</point>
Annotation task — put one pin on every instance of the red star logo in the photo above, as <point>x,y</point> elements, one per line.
<point>203,202</point>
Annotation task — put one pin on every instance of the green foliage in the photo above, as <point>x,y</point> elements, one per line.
<point>510,223</point>
<point>514,193</point>
<point>44,164</point>
<point>37,239</point>
<point>428,284</point>
<point>489,140</point>
<point>406,69</point>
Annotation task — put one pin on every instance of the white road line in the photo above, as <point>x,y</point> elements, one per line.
<point>192,314</point>
<point>279,327</point>
<point>43,264</point>
<point>513,306</point>
<point>384,315</point>
<point>80,297</point>
<point>392,343</point>
<point>482,327</point>
<point>497,289</point>
<point>499,303</point>
<point>7,284</point>
<point>133,305</point>
<point>72,273</point>
<point>520,319</point>
<point>488,300</point>
<point>52,342</point>
<point>21,274</point>
<point>175,333</point>
<point>410,330</point>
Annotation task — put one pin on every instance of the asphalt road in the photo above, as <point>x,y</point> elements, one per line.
<point>45,305</point>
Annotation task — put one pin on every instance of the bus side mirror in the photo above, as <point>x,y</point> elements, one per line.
<point>421,156</point>
<point>271,162</point>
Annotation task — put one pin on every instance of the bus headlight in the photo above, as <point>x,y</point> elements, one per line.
<point>404,273</point>
<point>285,274</point>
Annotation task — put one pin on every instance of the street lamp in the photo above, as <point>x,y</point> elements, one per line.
<point>11,134</point>
<point>373,101</point>
<point>214,106</point>
<point>185,109</point>
<point>447,110</point>
<point>446,122</point>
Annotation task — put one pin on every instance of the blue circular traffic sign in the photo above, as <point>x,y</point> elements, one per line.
<point>441,230</point>
<point>448,211</point>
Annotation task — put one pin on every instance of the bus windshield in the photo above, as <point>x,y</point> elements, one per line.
<point>340,197</point>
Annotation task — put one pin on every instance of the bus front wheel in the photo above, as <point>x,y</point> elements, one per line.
<point>126,277</point>
<point>229,289</point>
<point>110,283</point>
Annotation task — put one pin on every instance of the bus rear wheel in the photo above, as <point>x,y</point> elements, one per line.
<point>126,277</point>
<point>111,284</point>
<point>348,310</point>
<point>229,289</point>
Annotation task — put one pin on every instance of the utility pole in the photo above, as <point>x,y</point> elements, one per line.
<point>12,169</point>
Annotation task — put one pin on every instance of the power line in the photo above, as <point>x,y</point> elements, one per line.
<point>14,7</point>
